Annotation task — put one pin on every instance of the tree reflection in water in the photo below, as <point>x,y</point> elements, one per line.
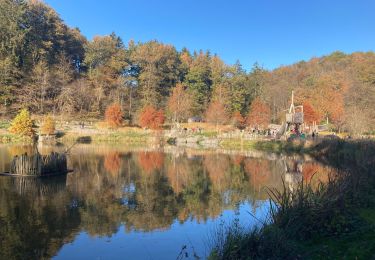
<point>143,191</point>
<point>36,218</point>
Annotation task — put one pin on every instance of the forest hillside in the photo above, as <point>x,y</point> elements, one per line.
<point>50,68</point>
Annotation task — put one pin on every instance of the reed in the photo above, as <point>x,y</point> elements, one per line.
<point>38,165</point>
<point>303,220</point>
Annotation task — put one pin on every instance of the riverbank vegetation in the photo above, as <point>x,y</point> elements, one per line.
<point>335,219</point>
<point>46,66</point>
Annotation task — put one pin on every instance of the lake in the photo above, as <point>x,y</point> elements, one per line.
<point>138,203</point>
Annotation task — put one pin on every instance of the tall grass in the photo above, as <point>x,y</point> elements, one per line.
<point>233,242</point>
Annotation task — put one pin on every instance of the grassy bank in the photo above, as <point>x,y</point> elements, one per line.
<point>273,146</point>
<point>7,138</point>
<point>70,137</point>
<point>334,220</point>
<point>130,137</point>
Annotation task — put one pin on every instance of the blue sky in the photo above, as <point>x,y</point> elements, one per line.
<point>270,32</point>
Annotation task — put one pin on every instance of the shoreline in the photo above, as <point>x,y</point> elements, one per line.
<point>354,156</point>
<point>336,220</point>
<point>136,136</point>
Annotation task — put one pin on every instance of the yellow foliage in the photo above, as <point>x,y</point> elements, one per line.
<point>48,126</point>
<point>22,124</point>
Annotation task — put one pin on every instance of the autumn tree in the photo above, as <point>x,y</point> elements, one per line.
<point>326,92</point>
<point>33,36</point>
<point>48,126</point>
<point>310,115</point>
<point>259,115</point>
<point>105,58</point>
<point>159,70</point>
<point>37,90</point>
<point>47,66</point>
<point>220,82</point>
<point>74,99</point>
<point>333,87</point>
<point>47,36</point>
<point>179,103</point>
<point>238,120</point>
<point>151,118</point>
<point>113,115</point>
<point>22,124</point>
<point>12,40</point>
<point>216,113</point>
<point>105,54</point>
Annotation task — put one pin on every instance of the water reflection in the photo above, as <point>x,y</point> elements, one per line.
<point>35,217</point>
<point>142,191</point>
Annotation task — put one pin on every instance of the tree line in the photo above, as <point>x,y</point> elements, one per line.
<point>48,67</point>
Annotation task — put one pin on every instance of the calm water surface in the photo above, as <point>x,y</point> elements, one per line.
<point>124,203</point>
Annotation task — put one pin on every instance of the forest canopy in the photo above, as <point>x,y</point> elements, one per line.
<point>48,67</point>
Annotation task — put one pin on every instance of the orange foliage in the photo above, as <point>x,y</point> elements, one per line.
<point>258,171</point>
<point>216,167</point>
<point>216,113</point>
<point>310,115</point>
<point>150,161</point>
<point>309,170</point>
<point>112,162</point>
<point>48,127</point>
<point>238,159</point>
<point>337,112</point>
<point>259,115</point>
<point>151,118</point>
<point>334,86</point>
<point>186,59</point>
<point>326,96</point>
<point>315,173</point>
<point>113,115</point>
<point>238,120</point>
